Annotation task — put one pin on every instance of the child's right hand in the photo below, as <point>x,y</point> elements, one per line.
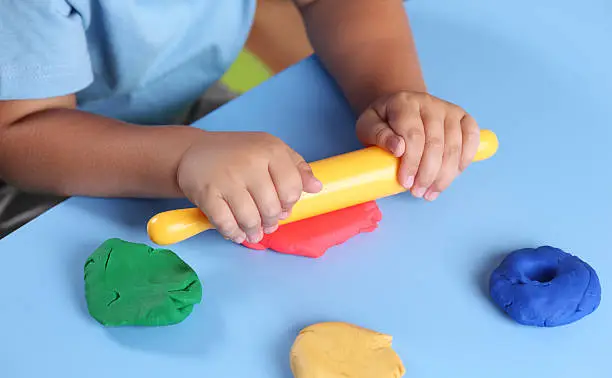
<point>245,182</point>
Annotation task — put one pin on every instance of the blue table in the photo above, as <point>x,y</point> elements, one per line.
<point>538,73</point>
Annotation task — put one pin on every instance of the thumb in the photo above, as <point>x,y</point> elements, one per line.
<point>310,183</point>
<point>373,131</point>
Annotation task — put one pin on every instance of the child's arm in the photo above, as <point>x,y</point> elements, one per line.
<point>367,46</point>
<point>244,182</point>
<point>47,145</point>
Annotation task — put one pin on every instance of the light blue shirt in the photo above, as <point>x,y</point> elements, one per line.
<point>142,61</point>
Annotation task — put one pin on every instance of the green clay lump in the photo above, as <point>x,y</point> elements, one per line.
<point>129,284</point>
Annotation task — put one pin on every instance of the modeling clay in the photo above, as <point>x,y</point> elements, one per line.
<point>312,237</point>
<point>545,287</point>
<point>133,284</point>
<point>336,350</point>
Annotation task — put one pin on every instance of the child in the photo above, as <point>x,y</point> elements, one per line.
<point>79,79</point>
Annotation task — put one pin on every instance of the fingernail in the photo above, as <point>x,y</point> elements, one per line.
<point>419,192</point>
<point>253,238</point>
<point>409,182</point>
<point>269,230</point>
<point>257,237</point>
<point>239,239</point>
<point>393,144</point>
<point>431,195</point>
<point>284,215</point>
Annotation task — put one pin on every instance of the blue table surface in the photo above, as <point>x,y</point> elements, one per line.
<point>537,73</point>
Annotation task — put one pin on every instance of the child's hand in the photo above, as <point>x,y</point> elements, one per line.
<point>436,140</point>
<point>244,182</point>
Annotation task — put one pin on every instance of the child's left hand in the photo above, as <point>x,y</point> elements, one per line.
<point>435,139</point>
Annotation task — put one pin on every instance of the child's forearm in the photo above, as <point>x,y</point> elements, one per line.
<point>366,45</point>
<point>68,152</point>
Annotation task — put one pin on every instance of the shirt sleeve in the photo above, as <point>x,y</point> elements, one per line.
<point>43,50</point>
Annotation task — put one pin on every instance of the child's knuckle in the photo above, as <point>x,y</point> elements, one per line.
<point>270,210</point>
<point>434,143</point>
<point>225,225</point>
<point>452,150</point>
<point>250,223</point>
<point>414,134</point>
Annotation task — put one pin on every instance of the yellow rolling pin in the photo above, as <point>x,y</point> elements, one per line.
<point>349,179</point>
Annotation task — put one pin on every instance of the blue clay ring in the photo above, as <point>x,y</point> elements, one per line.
<point>545,287</point>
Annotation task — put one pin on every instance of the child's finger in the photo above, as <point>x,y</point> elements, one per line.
<point>246,213</point>
<point>433,122</point>
<point>450,160</point>
<point>405,119</point>
<point>374,131</point>
<point>471,141</point>
<point>220,215</point>
<point>288,183</point>
<point>266,198</point>
<point>310,184</point>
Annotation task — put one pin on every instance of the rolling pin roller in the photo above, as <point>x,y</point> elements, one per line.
<point>348,180</point>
